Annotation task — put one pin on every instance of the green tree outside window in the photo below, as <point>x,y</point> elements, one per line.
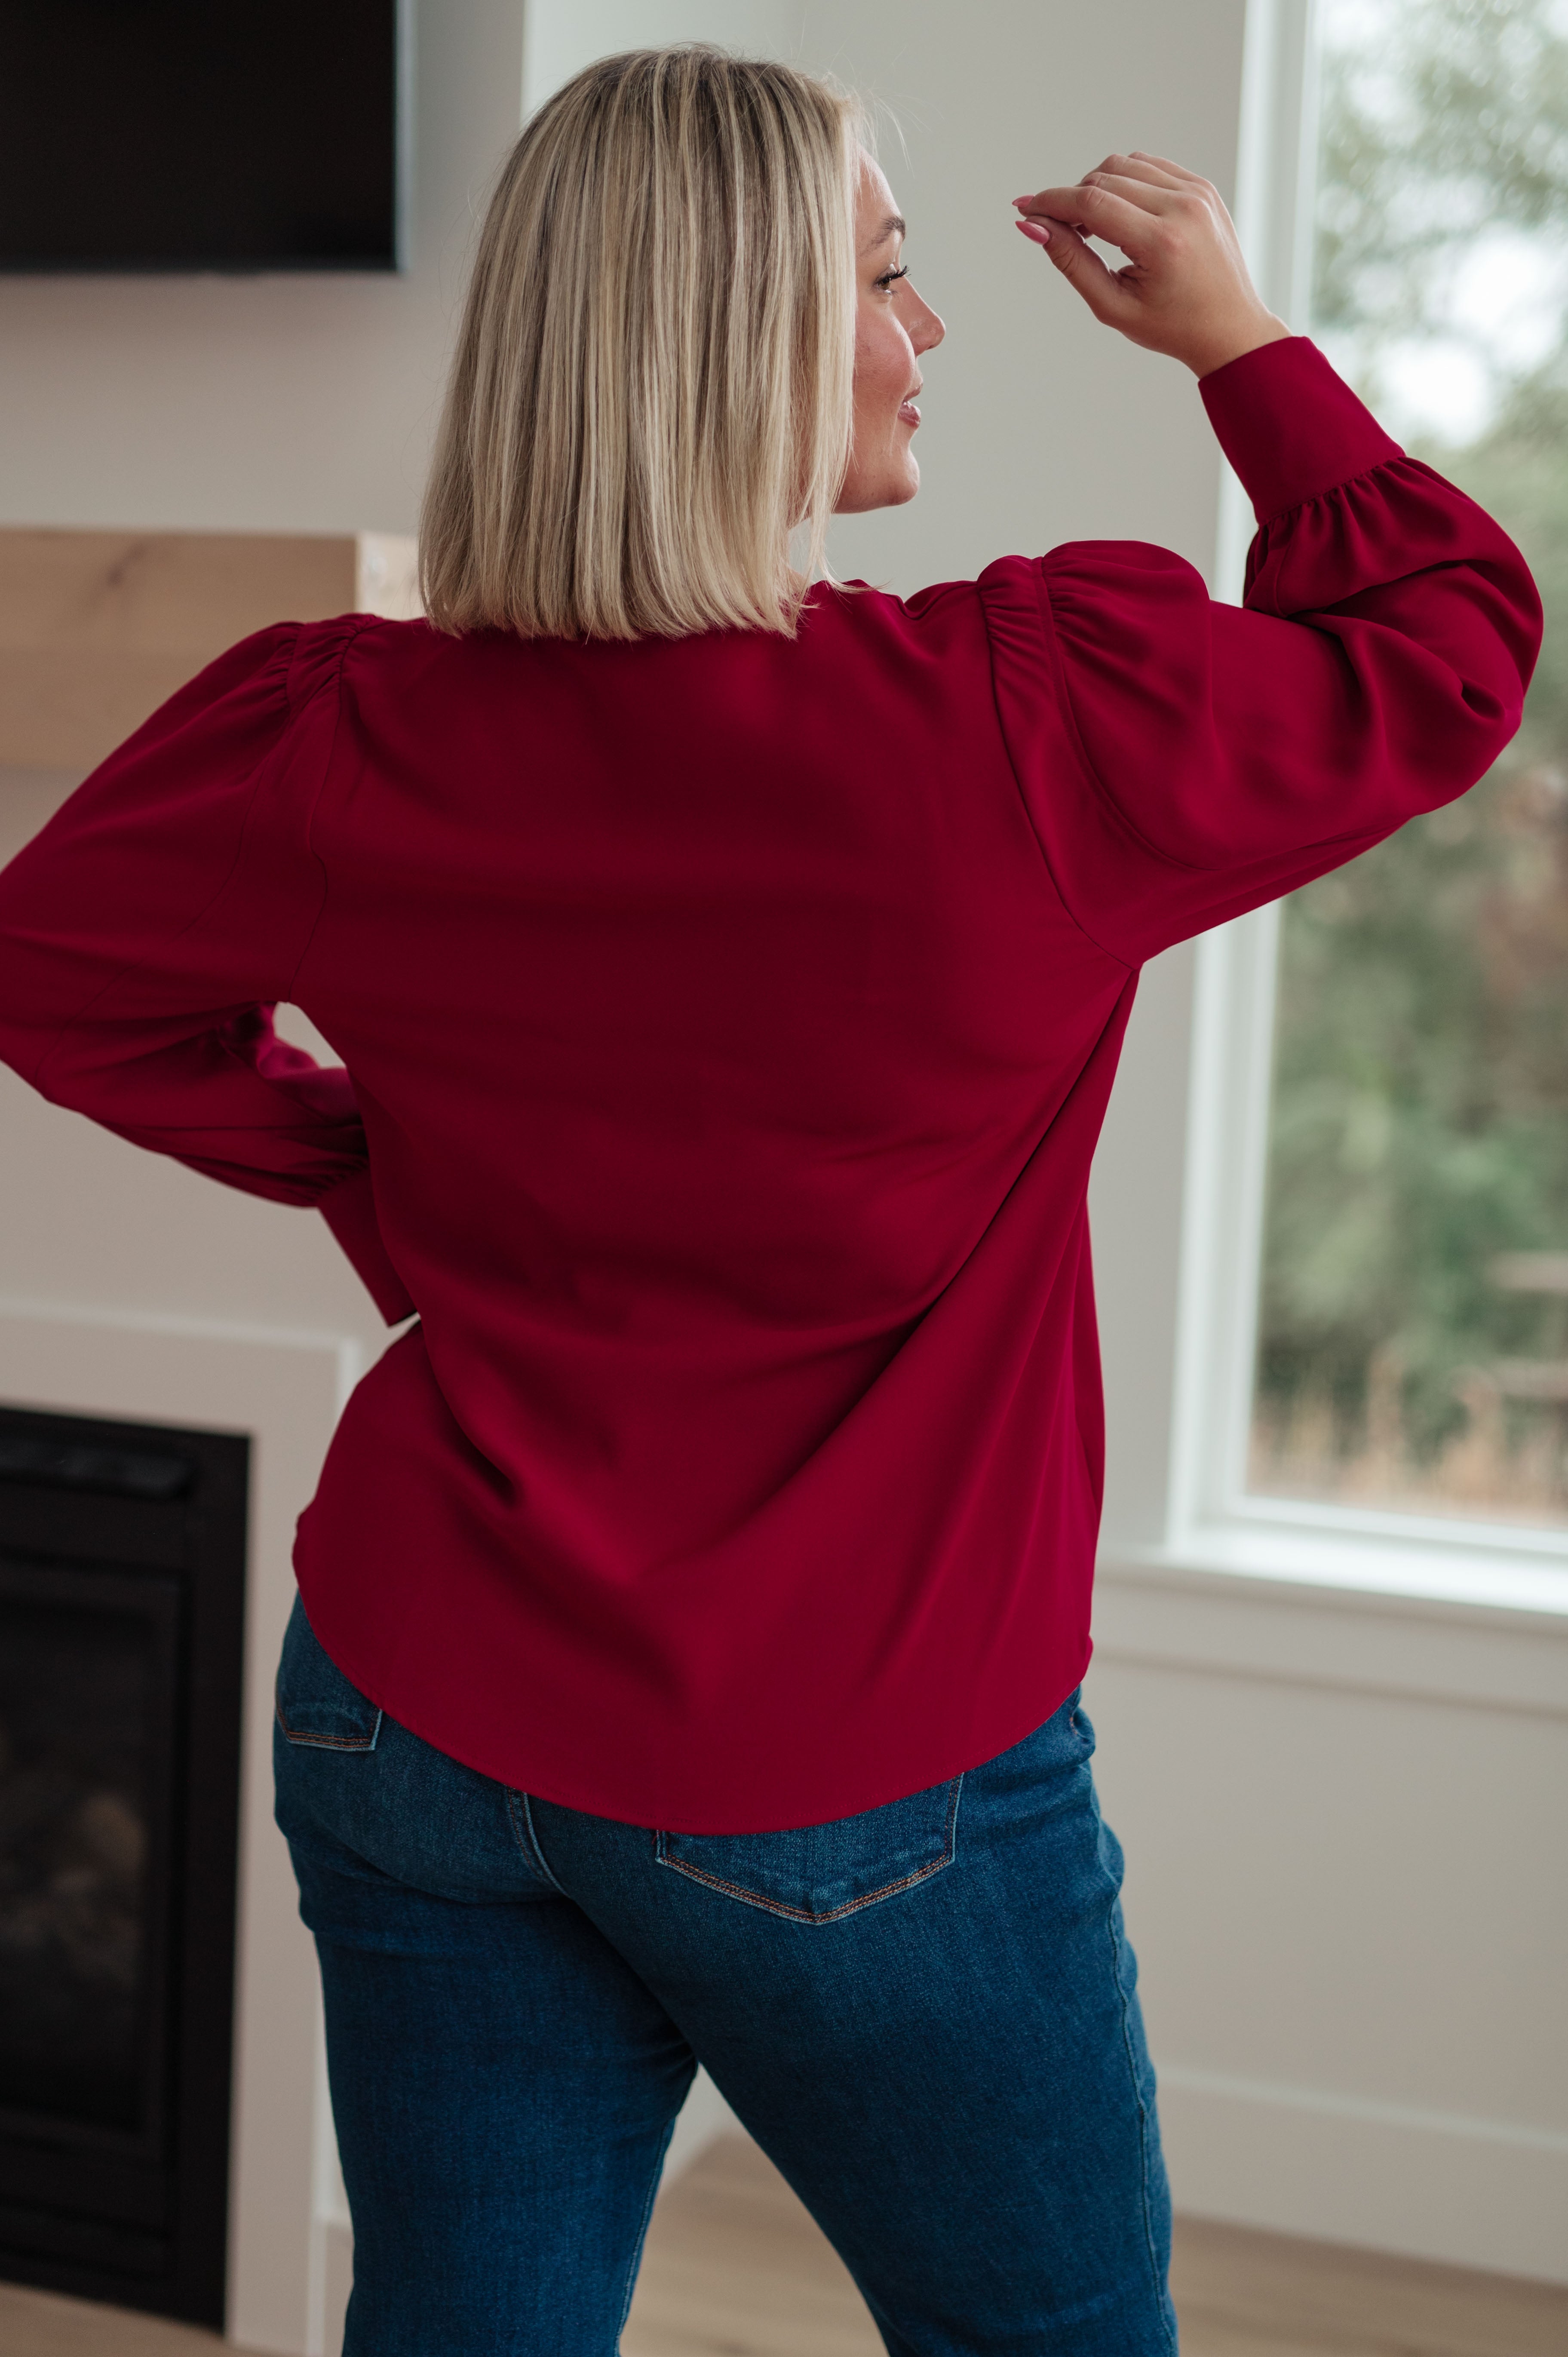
<point>1413,1330</point>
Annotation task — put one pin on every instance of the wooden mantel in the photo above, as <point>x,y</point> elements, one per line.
<point>97,628</point>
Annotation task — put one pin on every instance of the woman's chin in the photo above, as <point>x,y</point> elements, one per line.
<point>893,490</point>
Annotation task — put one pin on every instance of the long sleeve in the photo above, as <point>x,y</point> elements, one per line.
<point>148,932</point>
<point>1183,761</point>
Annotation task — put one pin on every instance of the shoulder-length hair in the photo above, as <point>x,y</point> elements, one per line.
<point>652,384</point>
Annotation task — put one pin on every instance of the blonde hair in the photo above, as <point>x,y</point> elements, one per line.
<point>652,384</point>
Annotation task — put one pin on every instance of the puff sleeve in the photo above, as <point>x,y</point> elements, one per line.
<point>148,932</point>
<point>1182,760</point>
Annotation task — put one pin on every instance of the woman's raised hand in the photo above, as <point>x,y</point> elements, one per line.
<point>1184,289</point>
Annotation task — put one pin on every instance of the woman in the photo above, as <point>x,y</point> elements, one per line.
<point>728,973</point>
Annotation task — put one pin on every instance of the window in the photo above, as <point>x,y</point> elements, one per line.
<point>1408,1337</point>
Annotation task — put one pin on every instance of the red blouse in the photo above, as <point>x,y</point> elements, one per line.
<point>727,1024</point>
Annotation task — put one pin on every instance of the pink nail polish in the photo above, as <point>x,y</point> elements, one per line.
<point>1036,229</point>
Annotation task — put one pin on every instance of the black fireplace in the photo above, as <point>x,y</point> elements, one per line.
<point>121,1594</point>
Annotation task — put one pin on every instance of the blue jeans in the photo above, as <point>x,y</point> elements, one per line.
<point>925,2014</point>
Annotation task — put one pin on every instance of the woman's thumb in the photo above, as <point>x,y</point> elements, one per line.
<point>1079,264</point>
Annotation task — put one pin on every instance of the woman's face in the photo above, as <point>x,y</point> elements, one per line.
<point>893,327</point>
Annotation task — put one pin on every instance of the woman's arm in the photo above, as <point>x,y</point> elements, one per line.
<point>148,932</point>
<point>1184,760</point>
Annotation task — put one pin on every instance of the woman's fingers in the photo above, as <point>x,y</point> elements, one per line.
<point>1098,212</point>
<point>1186,290</point>
<point>1149,168</point>
<point>1158,197</point>
<point>1131,171</point>
<point>1178,172</point>
<point>1087,274</point>
<point>1145,170</point>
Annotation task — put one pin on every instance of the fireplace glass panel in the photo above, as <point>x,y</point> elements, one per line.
<point>122,1614</point>
<point>86,1678</point>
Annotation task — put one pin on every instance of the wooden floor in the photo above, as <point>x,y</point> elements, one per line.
<point>736,2269</point>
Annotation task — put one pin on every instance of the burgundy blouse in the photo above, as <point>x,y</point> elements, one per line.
<point>725,1027</point>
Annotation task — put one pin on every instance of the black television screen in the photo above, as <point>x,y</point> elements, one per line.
<point>201,135</point>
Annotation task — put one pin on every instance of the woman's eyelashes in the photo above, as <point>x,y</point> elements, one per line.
<point>889,279</point>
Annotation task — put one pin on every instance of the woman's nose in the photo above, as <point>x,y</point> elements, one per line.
<point>928,330</point>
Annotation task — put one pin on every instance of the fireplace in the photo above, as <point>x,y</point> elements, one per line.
<point>121,1591</point>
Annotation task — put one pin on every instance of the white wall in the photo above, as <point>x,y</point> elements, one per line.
<point>1344,1874</point>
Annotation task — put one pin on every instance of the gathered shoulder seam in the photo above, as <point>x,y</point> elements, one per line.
<point>332,676</point>
<point>1097,783</point>
<point>1018,782</point>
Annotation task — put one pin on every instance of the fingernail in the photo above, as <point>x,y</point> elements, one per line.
<point>1023,201</point>
<point>1037,230</point>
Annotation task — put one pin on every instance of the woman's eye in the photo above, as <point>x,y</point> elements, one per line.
<point>890,278</point>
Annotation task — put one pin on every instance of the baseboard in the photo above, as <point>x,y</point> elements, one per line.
<point>1427,2185</point>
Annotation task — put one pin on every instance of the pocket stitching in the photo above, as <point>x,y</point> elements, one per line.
<point>832,1915</point>
<point>520,1818</point>
<point>327,1742</point>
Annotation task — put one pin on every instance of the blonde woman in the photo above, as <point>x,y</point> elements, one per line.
<point>728,970</point>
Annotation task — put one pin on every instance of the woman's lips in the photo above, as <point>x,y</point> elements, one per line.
<point>908,412</point>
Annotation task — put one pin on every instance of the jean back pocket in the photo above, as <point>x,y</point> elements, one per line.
<point>818,1874</point>
<point>316,1705</point>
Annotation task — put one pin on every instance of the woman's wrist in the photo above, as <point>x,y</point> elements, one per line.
<point>1235,342</point>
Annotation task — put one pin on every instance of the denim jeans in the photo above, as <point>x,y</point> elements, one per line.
<point>925,2014</point>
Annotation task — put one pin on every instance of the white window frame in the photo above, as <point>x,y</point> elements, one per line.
<point>1212,1523</point>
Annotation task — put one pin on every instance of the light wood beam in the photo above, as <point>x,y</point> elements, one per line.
<point>98,627</point>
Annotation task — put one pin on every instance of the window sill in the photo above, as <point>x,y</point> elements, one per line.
<point>1429,1565</point>
<point>1329,1607</point>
